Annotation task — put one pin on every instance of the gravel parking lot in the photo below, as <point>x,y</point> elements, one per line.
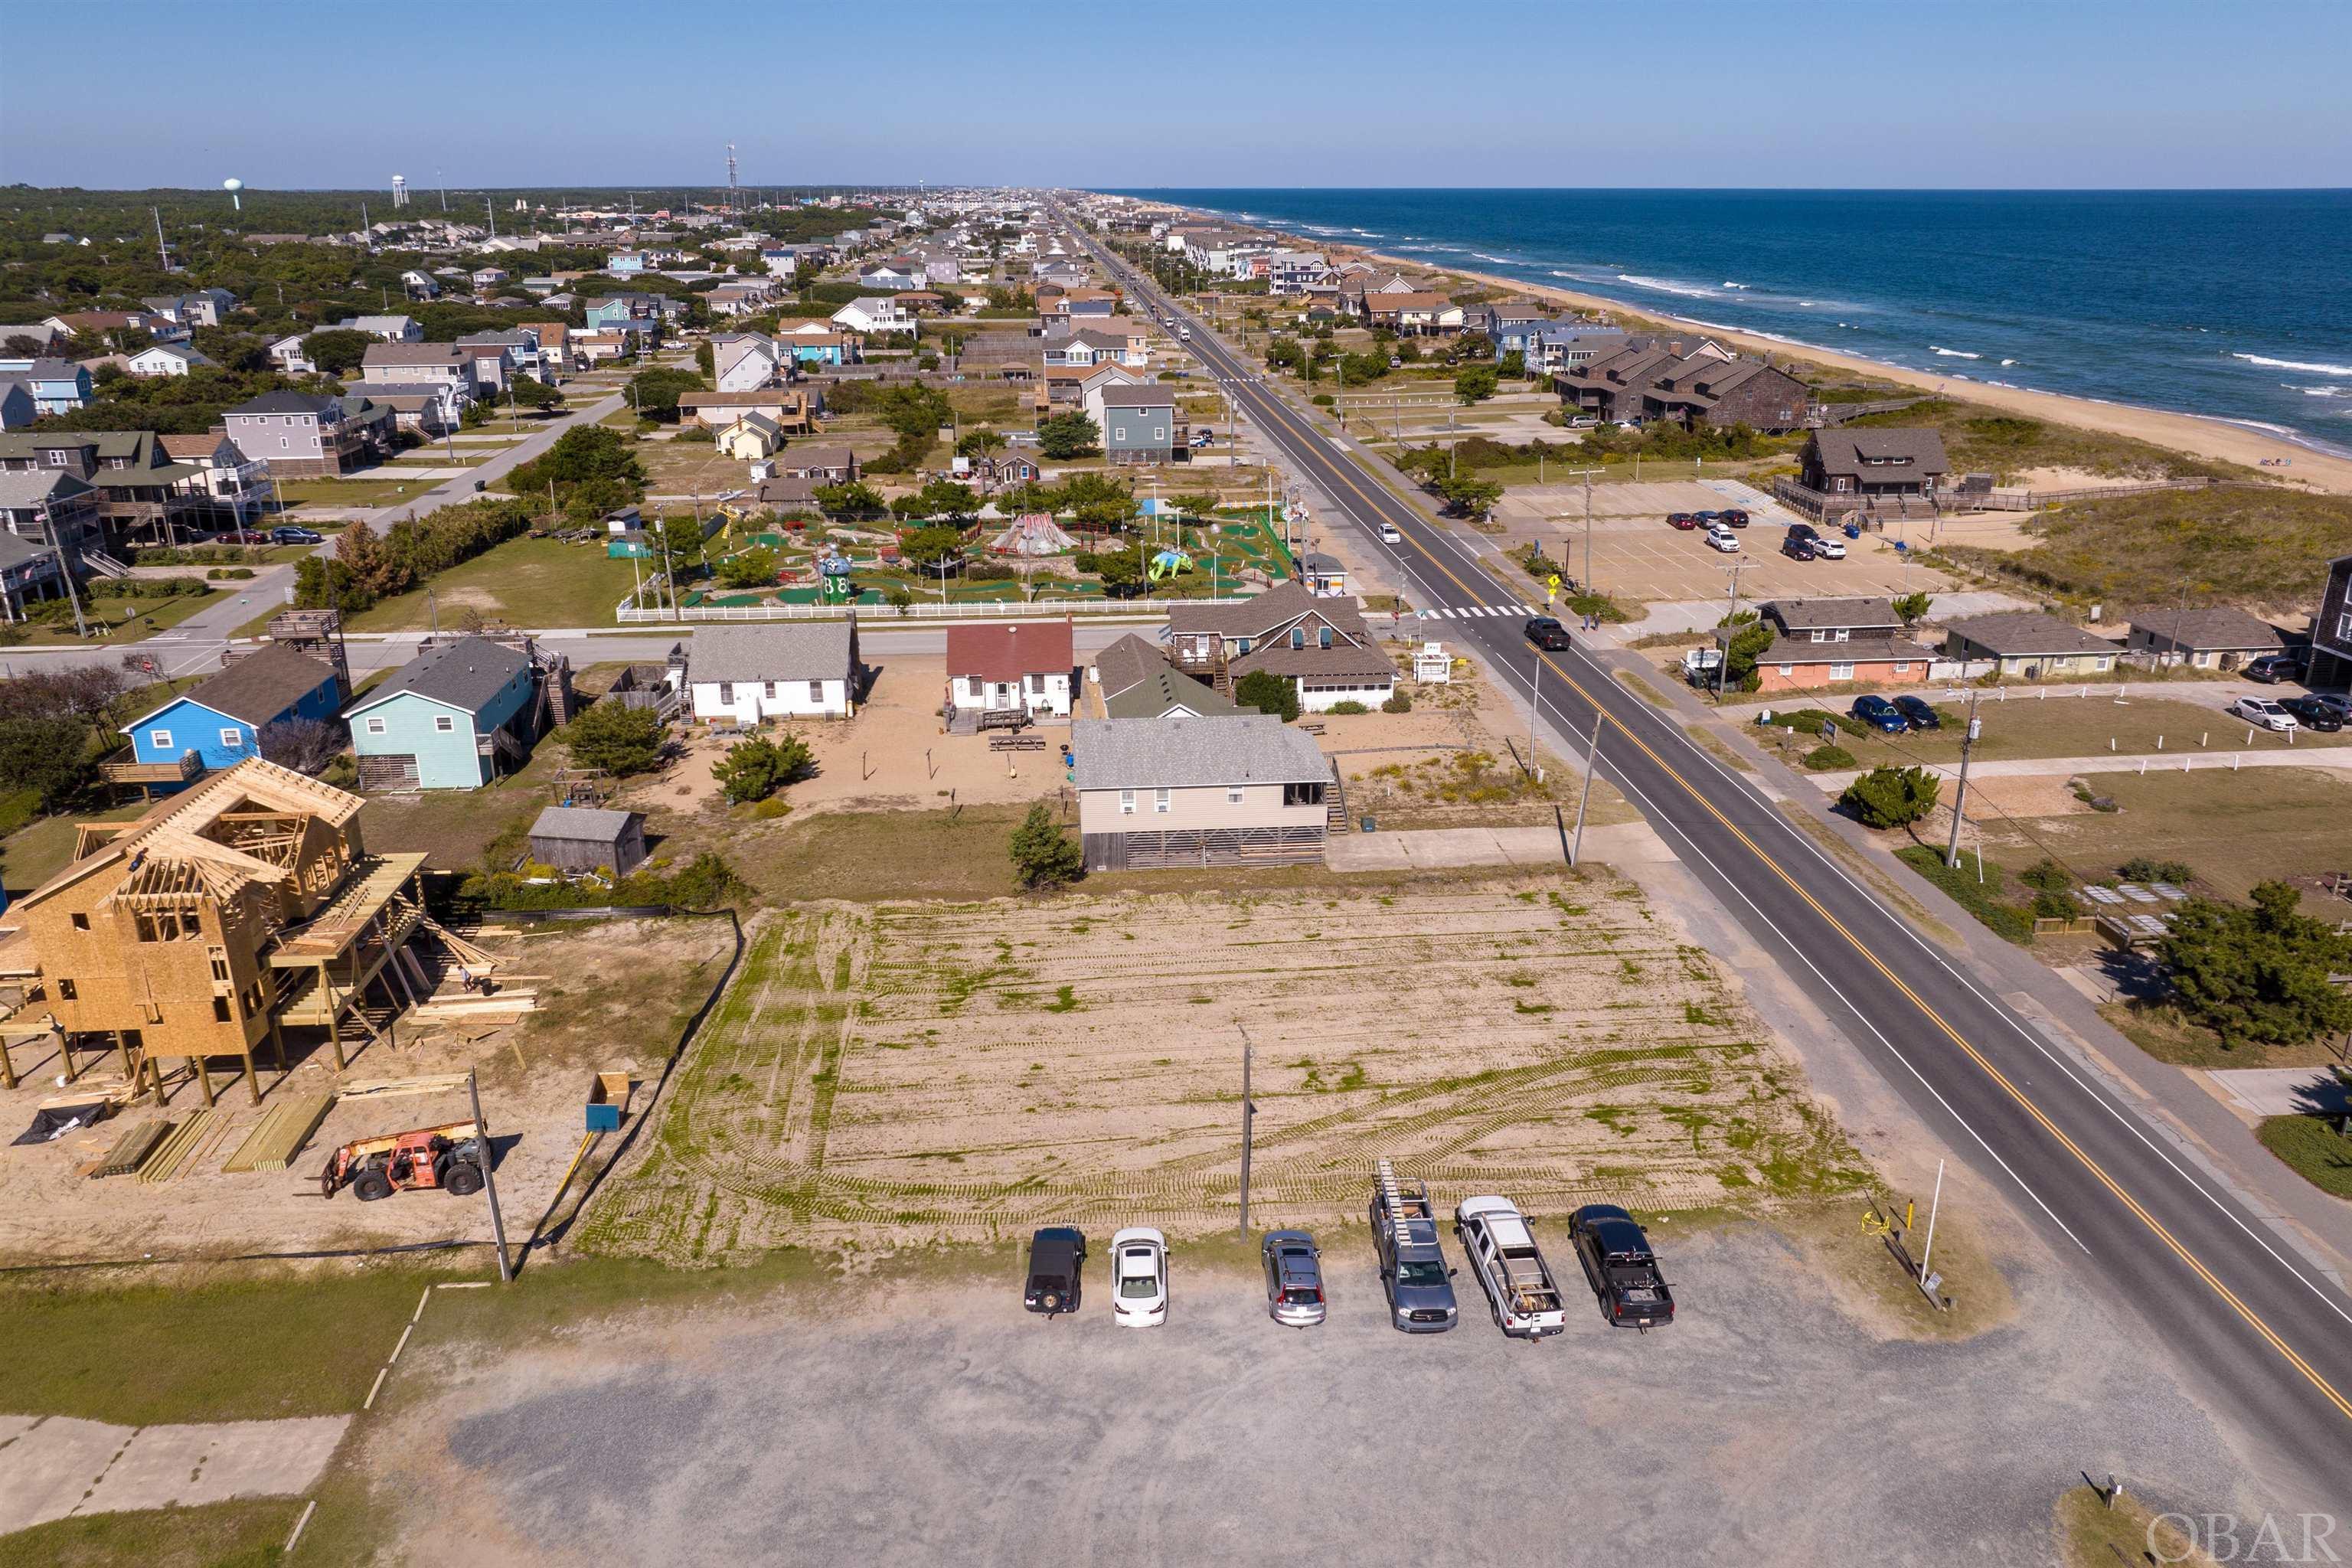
<point>919,1425</point>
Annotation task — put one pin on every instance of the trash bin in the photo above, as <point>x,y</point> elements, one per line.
<point>607,1096</point>
<point>1854,531</point>
<point>1371,825</point>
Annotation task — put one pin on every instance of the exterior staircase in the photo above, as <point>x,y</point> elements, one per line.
<point>1335,800</point>
<point>102,564</point>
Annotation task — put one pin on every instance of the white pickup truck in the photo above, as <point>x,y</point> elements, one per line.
<point>1520,1293</point>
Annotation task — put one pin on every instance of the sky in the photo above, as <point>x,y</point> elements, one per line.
<point>1985,94</point>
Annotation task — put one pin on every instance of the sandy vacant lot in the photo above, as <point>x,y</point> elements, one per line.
<point>602,1011</point>
<point>919,1071</point>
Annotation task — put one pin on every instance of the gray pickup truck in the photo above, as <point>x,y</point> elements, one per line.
<point>1413,1268</point>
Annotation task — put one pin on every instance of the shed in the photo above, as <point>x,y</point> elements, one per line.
<point>585,838</point>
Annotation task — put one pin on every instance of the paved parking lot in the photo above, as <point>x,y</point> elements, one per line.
<point>942,1425</point>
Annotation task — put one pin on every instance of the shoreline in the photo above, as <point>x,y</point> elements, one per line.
<point>2209,436</point>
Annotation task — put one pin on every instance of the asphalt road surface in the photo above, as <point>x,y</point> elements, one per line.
<point>2271,1337</point>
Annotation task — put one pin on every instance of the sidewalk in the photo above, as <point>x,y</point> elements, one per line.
<point>1619,844</point>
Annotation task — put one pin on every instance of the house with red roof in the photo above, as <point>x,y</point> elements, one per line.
<point>1027,667</point>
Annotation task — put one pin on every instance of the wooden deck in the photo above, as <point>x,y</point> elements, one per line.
<point>122,768</point>
<point>346,917</point>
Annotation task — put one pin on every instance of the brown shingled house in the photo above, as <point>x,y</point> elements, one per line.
<point>1320,644</point>
<point>1868,463</point>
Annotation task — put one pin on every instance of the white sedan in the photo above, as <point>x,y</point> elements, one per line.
<point>1722,538</point>
<point>1139,1277</point>
<point>2264,714</point>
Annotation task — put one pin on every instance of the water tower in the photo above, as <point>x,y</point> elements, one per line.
<point>399,191</point>
<point>233,187</point>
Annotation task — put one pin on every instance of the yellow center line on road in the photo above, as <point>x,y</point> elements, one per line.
<point>2252,1319</point>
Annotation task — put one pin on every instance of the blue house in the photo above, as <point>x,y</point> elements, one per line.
<point>221,719</point>
<point>832,348</point>
<point>454,717</point>
<point>56,385</point>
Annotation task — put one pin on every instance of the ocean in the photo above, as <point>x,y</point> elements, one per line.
<point>2234,304</point>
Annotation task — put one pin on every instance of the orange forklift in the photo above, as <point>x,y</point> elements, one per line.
<point>450,1157</point>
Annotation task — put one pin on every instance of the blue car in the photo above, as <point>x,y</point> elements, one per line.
<point>1881,715</point>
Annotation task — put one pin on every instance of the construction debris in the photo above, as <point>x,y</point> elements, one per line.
<point>433,1083</point>
<point>130,1150</point>
<point>165,1163</point>
<point>281,1133</point>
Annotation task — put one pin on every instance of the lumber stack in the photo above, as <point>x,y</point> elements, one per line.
<point>132,1148</point>
<point>281,1133</point>
<point>165,1162</point>
<point>430,1083</point>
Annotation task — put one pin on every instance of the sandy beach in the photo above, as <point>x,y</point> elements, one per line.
<point>2214,440</point>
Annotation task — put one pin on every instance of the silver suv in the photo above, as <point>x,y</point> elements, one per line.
<point>1293,1279</point>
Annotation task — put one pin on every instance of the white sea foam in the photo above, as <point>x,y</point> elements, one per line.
<point>1729,284</point>
<point>2326,391</point>
<point>2009,361</point>
<point>1809,305</point>
<point>1497,260</point>
<point>1953,353</point>
<point>1662,286</point>
<point>2314,366</point>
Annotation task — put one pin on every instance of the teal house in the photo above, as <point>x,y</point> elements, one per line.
<point>455,716</point>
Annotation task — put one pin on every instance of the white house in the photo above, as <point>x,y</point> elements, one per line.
<point>797,669</point>
<point>1001,668</point>
<point>164,359</point>
<point>291,354</point>
<point>744,362</point>
<point>873,315</point>
<point>391,329</point>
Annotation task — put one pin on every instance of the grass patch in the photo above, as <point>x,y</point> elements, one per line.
<point>528,582</point>
<point>2166,1033</point>
<point>350,493</point>
<point>246,1533</point>
<point>2246,543</point>
<point>110,620</point>
<point>2073,726</point>
<point>2011,923</point>
<point>1648,693</point>
<point>1979,439</point>
<point>2092,1535</point>
<point>2313,1149</point>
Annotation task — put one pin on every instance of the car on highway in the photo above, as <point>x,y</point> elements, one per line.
<point>2264,714</point>
<point>1139,1277</point>
<point>2274,668</point>
<point>2314,714</point>
<point>1057,1257</point>
<point>1881,715</point>
<point>1621,1268</point>
<point>1722,538</point>
<point>1682,519</point>
<point>1389,534</point>
<point>1293,1279</point>
<point>1185,333</point>
<point>1546,632</point>
<point>1918,713</point>
<point>288,535</point>
<point>1797,547</point>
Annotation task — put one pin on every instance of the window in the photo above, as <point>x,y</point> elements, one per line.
<point>1788,669</point>
<point>1324,638</point>
<point>2106,664</point>
<point>1127,802</point>
<point>231,736</point>
<point>1901,667</point>
<point>81,923</point>
<point>160,738</point>
<point>975,686</point>
<point>375,726</point>
<point>1845,633</point>
<point>65,989</point>
<point>1842,671</point>
<point>1036,685</point>
<point>1299,636</point>
<point>1160,801</point>
<point>1233,794</point>
<point>1821,635</point>
<point>726,691</point>
<point>444,723</point>
<point>220,1010</point>
<point>817,691</point>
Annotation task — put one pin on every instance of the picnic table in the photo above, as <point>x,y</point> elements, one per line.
<point>1016,742</point>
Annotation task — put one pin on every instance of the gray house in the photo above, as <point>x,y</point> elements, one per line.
<point>2030,644</point>
<point>1140,424</point>
<point>2221,636</point>
<point>1199,792</point>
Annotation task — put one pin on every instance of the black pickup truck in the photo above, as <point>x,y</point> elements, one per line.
<point>1621,1268</point>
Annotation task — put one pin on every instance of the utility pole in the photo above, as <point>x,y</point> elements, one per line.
<point>1591,757</point>
<point>1961,797</point>
<point>489,1181</point>
<point>1249,1113</point>
<point>1535,706</point>
<point>1723,637</point>
<point>1586,474</point>
<point>65,569</point>
<point>162,251</point>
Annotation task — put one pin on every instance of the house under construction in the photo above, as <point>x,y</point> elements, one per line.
<point>226,914</point>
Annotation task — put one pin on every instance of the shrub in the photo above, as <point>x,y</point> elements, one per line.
<point>2047,876</point>
<point>1891,797</point>
<point>755,769</point>
<point>2141,868</point>
<point>1347,705</point>
<point>622,741</point>
<point>1399,701</point>
<point>1043,855</point>
<point>702,433</point>
<point>1268,693</point>
<point>1980,900</point>
<point>1830,759</point>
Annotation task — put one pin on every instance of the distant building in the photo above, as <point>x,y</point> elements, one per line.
<point>299,434</point>
<point>2331,629</point>
<point>1874,464</point>
<point>1025,666</point>
<point>1821,642</point>
<point>750,674</point>
<point>221,719</point>
<point>1140,424</point>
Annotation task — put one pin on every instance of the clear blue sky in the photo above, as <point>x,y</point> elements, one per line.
<point>1833,93</point>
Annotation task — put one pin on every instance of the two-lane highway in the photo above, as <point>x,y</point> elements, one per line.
<point>2233,1304</point>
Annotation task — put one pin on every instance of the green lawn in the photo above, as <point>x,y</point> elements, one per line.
<point>527,581</point>
<point>2074,726</point>
<point>348,492</point>
<point>112,621</point>
<point>2161,1031</point>
<point>2313,1149</point>
<point>248,1533</point>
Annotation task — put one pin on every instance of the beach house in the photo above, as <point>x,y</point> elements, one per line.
<point>1239,791</point>
<point>1822,642</point>
<point>455,716</point>
<point>221,719</point>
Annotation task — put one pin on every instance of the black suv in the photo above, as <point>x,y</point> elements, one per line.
<point>1056,1255</point>
<point>1621,1268</point>
<point>2314,714</point>
<point>2273,667</point>
<point>1796,547</point>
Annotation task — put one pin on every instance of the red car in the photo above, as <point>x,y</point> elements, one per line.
<point>1682,519</point>
<point>242,536</point>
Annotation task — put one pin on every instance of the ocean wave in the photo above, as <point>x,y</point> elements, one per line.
<point>1367,233</point>
<point>2009,361</point>
<point>1662,286</point>
<point>2314,366</point>
<point>1729,284</point>
<point>2326,391</point>
<point>1809,305</point>
<point>1497,260</point>
<point>1953,353</point>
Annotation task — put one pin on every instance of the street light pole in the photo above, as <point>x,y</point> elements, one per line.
<point>1591,757</point>
<point>1249,1113</point>
<point>1960,796</point>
